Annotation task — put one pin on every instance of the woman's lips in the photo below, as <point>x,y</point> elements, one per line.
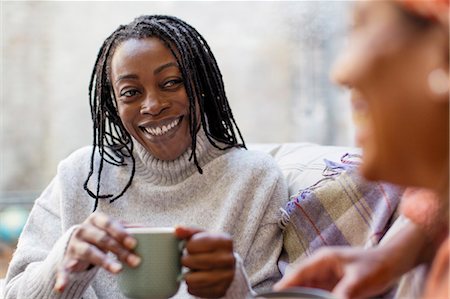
<point>163,128</point>
<point>361,117</point>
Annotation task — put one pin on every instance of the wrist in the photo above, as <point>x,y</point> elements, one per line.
<point>407,249</point>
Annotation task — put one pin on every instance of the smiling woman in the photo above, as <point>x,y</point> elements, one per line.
<point>168,62</point>
<point>166,152</point>
<point>397,65</point>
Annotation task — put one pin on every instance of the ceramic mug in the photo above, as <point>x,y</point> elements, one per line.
<point>159,273</point>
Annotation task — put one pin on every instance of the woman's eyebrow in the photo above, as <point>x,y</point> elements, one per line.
<point>164,66</point>
<point>129,76</point>
<point>156,71</point>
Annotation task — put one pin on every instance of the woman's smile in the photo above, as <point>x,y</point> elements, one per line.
<point>162,129</point>
<point>361,117</point>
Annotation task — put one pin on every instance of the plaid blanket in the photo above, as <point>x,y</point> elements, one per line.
<point>341,209</point>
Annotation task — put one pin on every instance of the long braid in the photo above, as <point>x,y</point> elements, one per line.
<point>202,80</point>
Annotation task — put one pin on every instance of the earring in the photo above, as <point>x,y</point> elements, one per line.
<point>438,81</point>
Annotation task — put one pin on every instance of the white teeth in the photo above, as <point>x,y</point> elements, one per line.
<point>158,131</point>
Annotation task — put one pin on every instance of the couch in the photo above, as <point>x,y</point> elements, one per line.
<point>302,164</point>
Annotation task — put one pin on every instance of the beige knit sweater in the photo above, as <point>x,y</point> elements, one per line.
<point>240,192</point>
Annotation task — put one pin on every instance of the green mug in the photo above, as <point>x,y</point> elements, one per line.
<point>159,274</point>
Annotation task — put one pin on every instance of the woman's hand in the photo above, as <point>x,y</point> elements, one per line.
<point>89,244</point>
<point>211,261</point>
<point>357,273</point>
<point>347,272</point>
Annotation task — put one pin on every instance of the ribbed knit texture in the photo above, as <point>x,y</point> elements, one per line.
<point>240,192</point>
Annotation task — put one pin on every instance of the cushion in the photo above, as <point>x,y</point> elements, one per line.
<point>342,208</point>
<point>302,163</point>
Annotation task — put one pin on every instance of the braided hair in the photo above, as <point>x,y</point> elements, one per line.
<point>202,80</point>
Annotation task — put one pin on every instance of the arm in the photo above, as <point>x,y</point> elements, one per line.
<point>218,271</point>
<point>51,262</point>
<point>430,213</point>
<point>41,246</point>
<point>261,262</point>
<point>357,273</point>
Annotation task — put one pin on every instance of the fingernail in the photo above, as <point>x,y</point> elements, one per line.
<point>133,260</point>
<point>115,267</point>
<point>130,242</point>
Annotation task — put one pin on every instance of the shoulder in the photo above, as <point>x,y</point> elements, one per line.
<point>252,161</point>
<point>75,167</point>
<point>79,159</point>
<point>87,159</point>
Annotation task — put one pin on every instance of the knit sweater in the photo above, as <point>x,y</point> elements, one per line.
<point>240,192</point>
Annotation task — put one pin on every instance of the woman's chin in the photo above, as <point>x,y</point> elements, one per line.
<point>371,167</point>
<point>367,171</point>
<point>361,136</point>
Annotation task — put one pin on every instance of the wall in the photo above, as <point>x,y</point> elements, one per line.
<point>275,58</point>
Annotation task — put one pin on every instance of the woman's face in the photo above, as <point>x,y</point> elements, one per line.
<point>402,125</point>
<point>151,97</point>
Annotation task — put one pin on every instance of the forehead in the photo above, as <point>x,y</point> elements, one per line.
<point>376,11</point>
<point>135,52</point>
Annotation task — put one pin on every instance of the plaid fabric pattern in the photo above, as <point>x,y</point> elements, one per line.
<point>341,209</point>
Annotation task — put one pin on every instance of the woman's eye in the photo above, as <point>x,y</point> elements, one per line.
<point>172,83</point>
<point>129,93</point>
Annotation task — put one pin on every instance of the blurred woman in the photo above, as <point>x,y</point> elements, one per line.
<point>397,65</point>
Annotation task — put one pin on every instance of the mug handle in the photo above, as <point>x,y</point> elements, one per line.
<point>181,247</point>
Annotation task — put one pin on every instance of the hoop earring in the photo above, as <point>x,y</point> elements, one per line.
<point>438,81</point>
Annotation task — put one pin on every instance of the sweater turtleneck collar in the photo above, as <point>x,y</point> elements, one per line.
<point>160,172</point>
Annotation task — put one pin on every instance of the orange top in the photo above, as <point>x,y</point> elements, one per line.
<point>427,210</point>
<point>437,285</point>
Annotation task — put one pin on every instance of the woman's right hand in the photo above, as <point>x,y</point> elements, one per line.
<point>89,244</point>
<point>360,273</point>
<point>347,272</point>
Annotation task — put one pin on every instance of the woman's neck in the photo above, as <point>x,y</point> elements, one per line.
<point>161,172</point>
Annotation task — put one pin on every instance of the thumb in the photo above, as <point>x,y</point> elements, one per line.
<point>183,232</point>
<point>285,282</point>
<point>348,287</point>
<point>61,281</point>
<point>62,276</point>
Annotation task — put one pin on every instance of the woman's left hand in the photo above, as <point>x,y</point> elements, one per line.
<point>211,261</point>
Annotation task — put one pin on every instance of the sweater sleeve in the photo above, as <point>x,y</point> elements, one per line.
<point>41,247</point>
<point>262,262</point>
<point>259,271</point>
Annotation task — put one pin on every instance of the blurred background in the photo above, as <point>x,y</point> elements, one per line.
<point>275,58</point>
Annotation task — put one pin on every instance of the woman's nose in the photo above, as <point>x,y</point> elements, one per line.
<point>353,65</point>
<point>341,70</point>
<point>154,105</point>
